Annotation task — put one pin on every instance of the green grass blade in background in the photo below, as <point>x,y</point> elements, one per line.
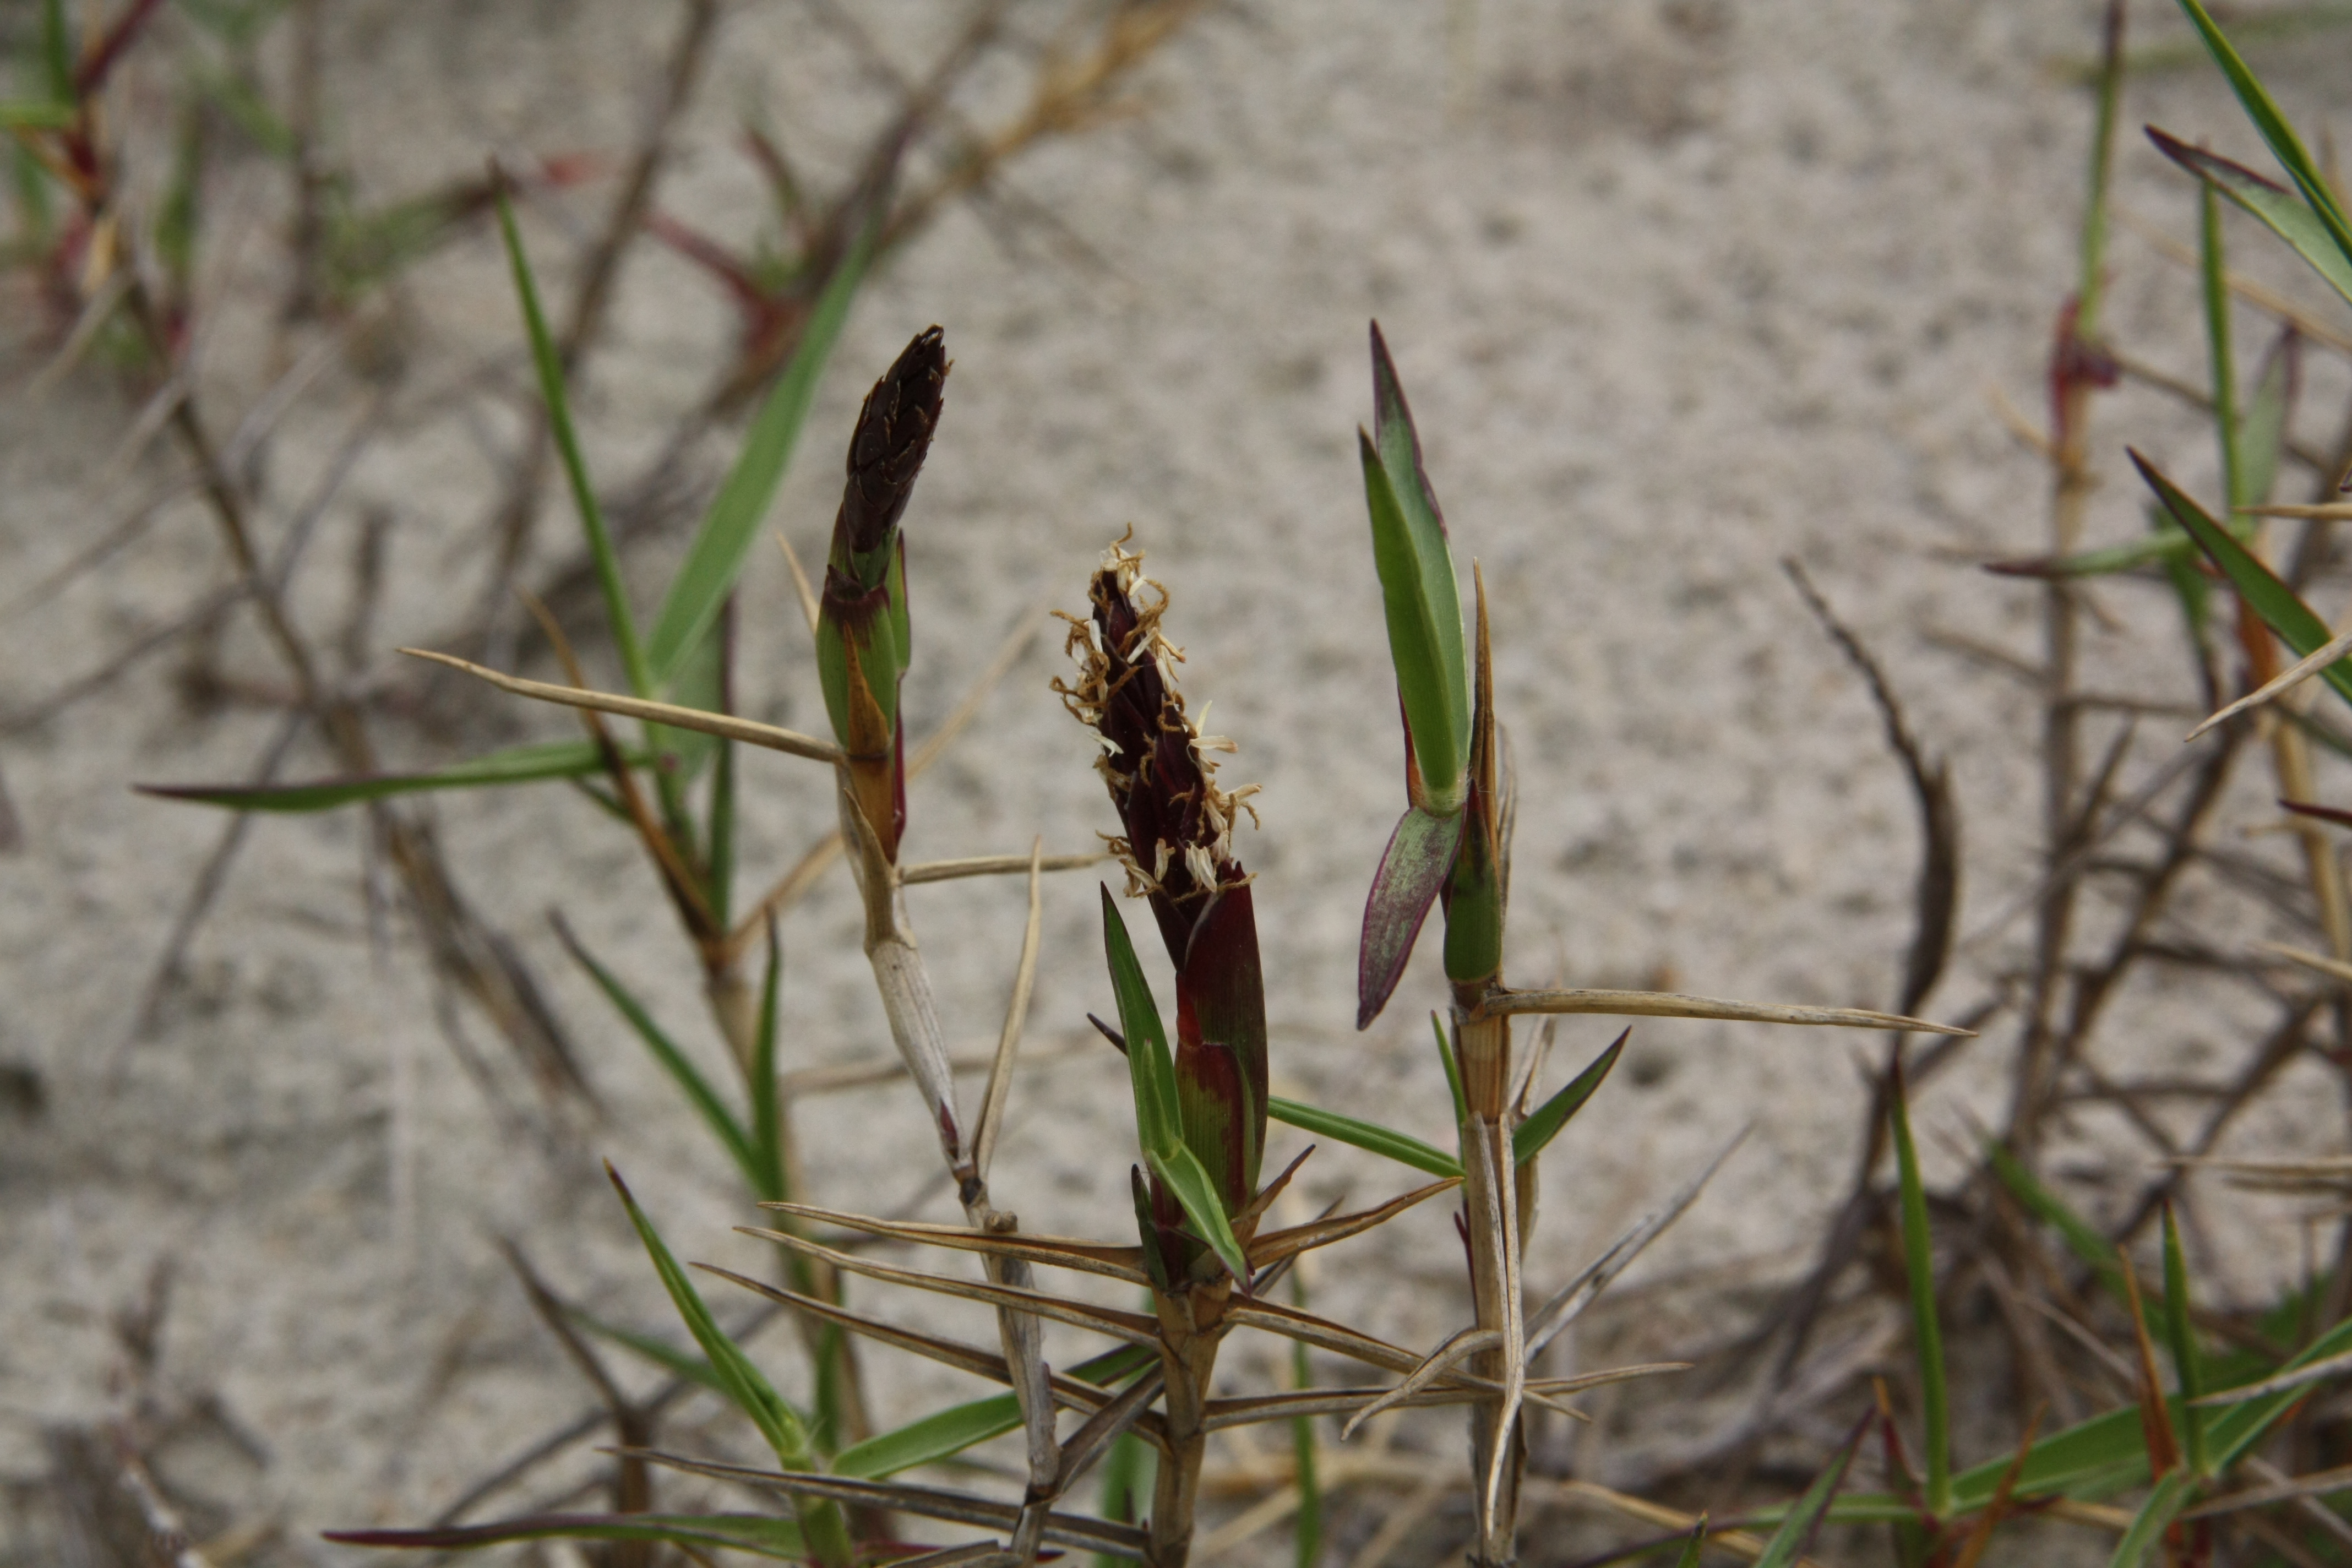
<point>940,1435</point>
<point>1126,1483</point>
<point>1694,1546</point>
<point>2273,205</point>
<point>2091,281</point>
<point>747,1387</point>
<point>1308,1531</point>
<point>552,387</point>
<point>58,51</point>
<point>2147,1526</point>
<point>2183,1339</point>
<point>2262,431</point>
<point>682,1072</point>
<point>1453,1064</point>
<point>1926,1327</point>
<point>2285,145</point>
<point>947,1433</point>
<point>767,1141</point>
<point>754,1533</point>
<point>514,766</point>
<point>695,1369</point>
<point>18,115</point>
<point>1401,1147</point>
<point>2240,1427</point>
<point>2082,1239</point>
<point>718,840</point>
<point>1796,1532</point>
<point>715,559</point>
<point>2273,601</point>
<point>1527,1139</point>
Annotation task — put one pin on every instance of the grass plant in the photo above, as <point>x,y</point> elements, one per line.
<point>2135,1407</point>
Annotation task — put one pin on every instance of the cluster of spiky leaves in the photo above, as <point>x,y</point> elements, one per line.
<point>1178,853</point>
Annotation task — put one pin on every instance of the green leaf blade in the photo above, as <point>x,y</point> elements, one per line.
<point>2147,1526</point>
<point>1151,1074</point>
<point>2183,1344</point>
<point>1401,1147</point>
<point>512,765</point>
<point>1188,1181</point>
<point>696,1089</point>
<point>1926,1326</point>
<point>1796,1532</point>
<point>1530,1137</point>
<point>2295,622</point>
<point>2285,145</point>
<point>2273,205</point>
<point>554,390</point>
<point>1430,682</point>
<point>714,561</point>
<point>940,1435</point>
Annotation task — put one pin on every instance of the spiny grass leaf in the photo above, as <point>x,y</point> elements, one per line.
<point>2263,429</point>
<point>551,367</point>
<point>1151,1074</point>
<point>674,1061</point>
<point>2229,1435</point>
<point>2183,1339</point>
<point>2086,1240</point>
<point>1419,588</point>
<point>2285,145</point>
<point>2109,1454</point>
<point>661,1352</point>
<point>57,50</point>
<point>744,1384</point>
<point>2147,1526</point>
<point>513,765</point>
<point>23,116</point>
<point>940,1435</point>
<point>2278,209</point>
<point>2091,285</point>
<point>715,559</point>
<point>1188,1181</point>
<point>766,1143</point>
<point>2295,622</point>
<point>1796,1532</point>
<point>1528,1138</point>
<point>1453,1065</point>
<point>2220,356</point>
<point>1126,1486</point>
<point>1693,1546</point>
<point>1401,1147</point>
<point>947,1433</point>
<point>1926,1327</point>
<point>755,1533</point>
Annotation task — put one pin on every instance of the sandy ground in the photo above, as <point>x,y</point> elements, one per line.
<point>1678,289</point>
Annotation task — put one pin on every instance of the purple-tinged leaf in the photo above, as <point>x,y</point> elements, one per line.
<point>1420,853</point>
